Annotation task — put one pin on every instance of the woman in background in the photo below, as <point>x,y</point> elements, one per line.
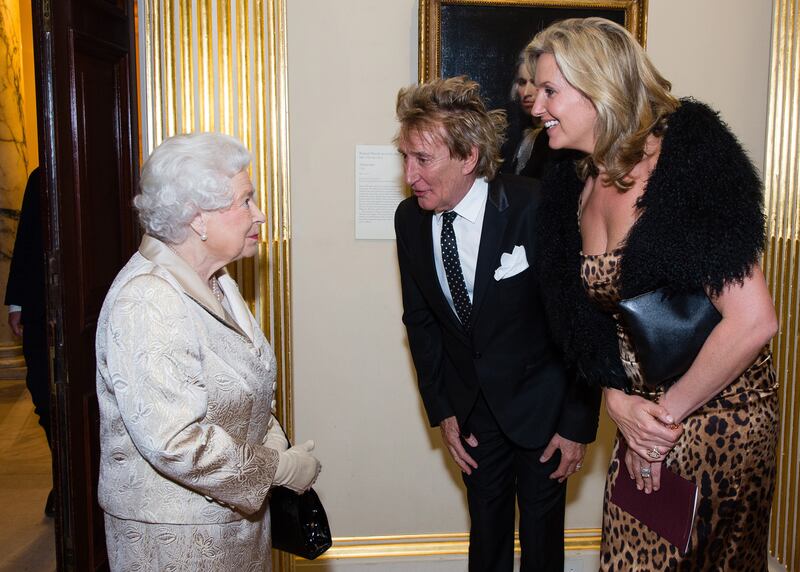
<point>525,151</point>
<point>185,378</point>
<point>664,196</point>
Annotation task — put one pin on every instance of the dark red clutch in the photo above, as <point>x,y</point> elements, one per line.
<point>669,511</point>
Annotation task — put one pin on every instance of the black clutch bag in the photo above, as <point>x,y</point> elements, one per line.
<point>668,331</point>
<point>299,523</point>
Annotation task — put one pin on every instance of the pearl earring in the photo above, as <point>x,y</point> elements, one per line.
<point>204,237</point>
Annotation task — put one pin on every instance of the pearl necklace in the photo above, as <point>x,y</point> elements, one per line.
<point>215,289</point>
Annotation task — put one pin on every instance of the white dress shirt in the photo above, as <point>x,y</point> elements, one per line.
<point>467,226</point>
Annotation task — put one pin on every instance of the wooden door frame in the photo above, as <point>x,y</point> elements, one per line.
<point>45,116</point>
<point>73,551</point>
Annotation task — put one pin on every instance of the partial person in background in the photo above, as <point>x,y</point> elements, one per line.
<point>664,197</point>
<point>525,151</point>
<point>190,446</point>
<point>27,306</point>
<point>489,377</point>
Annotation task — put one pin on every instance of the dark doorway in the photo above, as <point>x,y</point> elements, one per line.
<point>86,96</point>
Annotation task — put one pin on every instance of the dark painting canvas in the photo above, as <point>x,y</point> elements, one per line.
<point>483,42</point>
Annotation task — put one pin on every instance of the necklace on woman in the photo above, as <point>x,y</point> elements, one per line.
<point>215,289</point>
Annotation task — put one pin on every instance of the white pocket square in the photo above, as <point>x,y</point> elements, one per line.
<point>512,264</point>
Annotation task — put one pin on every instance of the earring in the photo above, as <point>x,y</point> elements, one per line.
<point>204,237</point>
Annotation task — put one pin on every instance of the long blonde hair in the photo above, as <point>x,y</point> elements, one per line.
<point>603,61</point>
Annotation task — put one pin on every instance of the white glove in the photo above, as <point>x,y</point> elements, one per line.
<point>275,437</point>
<point>297,468</point>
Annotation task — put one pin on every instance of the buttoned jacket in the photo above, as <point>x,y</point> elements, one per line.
<point>506,352</point>
<point>185,390</point>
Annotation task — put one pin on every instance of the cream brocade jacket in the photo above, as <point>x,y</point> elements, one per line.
<point>186,395</point>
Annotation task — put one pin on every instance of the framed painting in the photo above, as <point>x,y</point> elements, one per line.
<point>483,38</point>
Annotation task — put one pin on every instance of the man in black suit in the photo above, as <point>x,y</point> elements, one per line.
<point>510,417</point>
<point>25,297</point>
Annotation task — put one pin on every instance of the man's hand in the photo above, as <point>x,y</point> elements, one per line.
<point>451,434</point>
<point>571,456</point>
<point>15,322</point>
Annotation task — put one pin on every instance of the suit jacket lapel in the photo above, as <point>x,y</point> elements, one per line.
<point>494,226</point>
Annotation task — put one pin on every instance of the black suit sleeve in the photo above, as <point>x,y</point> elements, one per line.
<point>581,411</point>
<point>424,336</point>
<point>26,276</point>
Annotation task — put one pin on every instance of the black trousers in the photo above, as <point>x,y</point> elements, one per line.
<point>507,473</point>
<point>34,348</point>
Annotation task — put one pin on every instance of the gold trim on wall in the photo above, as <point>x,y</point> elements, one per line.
<point>278,141</point>
<point>782,268</point>
<point>186,70</point>
<point>430,22</point>
<point>165,41</point>
<point>205,48</point>
<point>225,65</point>
<point>421,545</point>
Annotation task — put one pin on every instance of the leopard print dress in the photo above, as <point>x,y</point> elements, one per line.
<point>727,448</point>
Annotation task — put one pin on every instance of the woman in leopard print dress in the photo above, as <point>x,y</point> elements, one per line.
<point>665,196</point>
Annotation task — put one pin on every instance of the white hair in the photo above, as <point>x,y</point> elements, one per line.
<point>184,175</point>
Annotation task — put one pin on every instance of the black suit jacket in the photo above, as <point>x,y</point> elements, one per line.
<point>507,353</point>
<point>26,276</point>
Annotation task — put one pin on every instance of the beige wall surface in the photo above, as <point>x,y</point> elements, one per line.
<point>384,472</point>
<point>718,52</point>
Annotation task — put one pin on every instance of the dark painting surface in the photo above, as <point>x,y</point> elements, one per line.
<point>483,42</point>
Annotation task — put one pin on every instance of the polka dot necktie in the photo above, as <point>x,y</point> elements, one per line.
<point>452,269</point>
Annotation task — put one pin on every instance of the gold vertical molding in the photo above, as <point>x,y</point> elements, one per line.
<point>280,200</point>
<point>782,268</point>
<point>157,79</point>
<point>244,81</point>
<point>278,298</point>
<point>243,69</point>
<point>224,66</point>
<point>205,64</point>
<point>186,83</point>
<point>138,23</point>
<point>260,146</point>
<point>152,75</point>
<point>167,46</point>
<point>272,283</point>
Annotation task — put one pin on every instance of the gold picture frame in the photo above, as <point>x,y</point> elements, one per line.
<point>455,36</point>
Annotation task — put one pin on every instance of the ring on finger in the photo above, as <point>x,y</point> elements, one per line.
<point>654,453</point>
<point>645,472</point>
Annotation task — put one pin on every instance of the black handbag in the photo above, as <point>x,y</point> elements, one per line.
<point>667,331</point>
<point>299,523</point>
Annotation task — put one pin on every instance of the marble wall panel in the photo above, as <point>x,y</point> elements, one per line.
<point>13,147</point>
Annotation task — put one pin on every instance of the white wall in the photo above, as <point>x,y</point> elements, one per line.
<point>384,472</point>
<point>355,392</point>
<point>718,52</point>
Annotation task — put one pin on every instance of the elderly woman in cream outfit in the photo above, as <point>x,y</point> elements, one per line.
<point>186,379</point>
